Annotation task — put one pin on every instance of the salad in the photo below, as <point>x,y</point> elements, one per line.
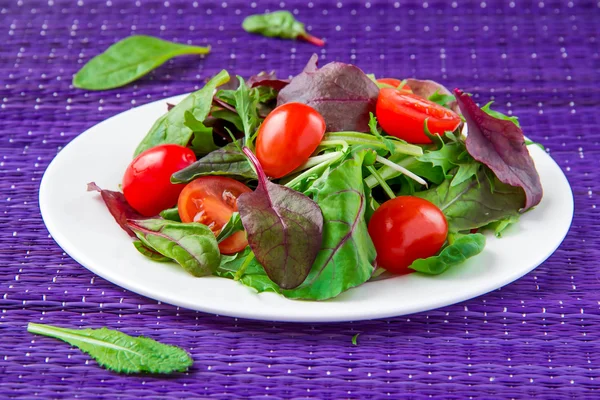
<point>311,186</point>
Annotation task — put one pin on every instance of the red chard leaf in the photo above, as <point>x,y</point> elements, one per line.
<point>427,88</point>
<point>500,145</point>
<point>284,227</point>
<point>342,93</point>
<point>267,79</point>
<point>118,207</point>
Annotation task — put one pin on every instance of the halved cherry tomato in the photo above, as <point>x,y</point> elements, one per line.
<point>404,229</point>
<point>395,83</point>
<point>210,200</point>
<point>403,115</point>
<point>147,181</point>
<point>287,138</point>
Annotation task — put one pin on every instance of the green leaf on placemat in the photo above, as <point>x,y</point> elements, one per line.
<point>119,352</point>
<point>355,339</point>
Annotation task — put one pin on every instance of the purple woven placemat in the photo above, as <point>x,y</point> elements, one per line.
<point>537,337</point>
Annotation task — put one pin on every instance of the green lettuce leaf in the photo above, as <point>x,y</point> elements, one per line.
<point>456,253</point>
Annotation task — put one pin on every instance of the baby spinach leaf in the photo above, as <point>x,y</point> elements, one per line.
<point>172,214</point>
<point>202,139</point>
<point>347,253</point>
<point>281,24</point>
<point>128,60</point>
<point>473,203</point>
<point>499,115</point>
<point>117,206</point>
<point>284,228</point>
<point>171,127</point>
<point>341,93</point>
<point>500,145</point>
<point>119,352</point>
<point>191,245</point>
<point>227,161</point>
<point>150,253</point>
<point>253,275</point>
<point>232,226</point>
<point>456,253</point>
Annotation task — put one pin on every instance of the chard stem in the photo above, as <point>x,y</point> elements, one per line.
<point>382,182</point>
<point>240,272</point>
<point>401,169</point>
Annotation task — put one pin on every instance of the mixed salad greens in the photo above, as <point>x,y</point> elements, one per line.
<point>311,186</point>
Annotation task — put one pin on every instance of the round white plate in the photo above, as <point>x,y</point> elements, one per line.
<point>82,226</point>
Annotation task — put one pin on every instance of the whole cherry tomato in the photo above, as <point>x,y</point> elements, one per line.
<point>395,83</point>
<point>211,200</point>
<point>147,181</point>
<point>287,138</point>
<point>404,229</point>
<point>403,115</point>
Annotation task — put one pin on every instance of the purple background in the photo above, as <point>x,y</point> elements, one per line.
<point>537,337</point>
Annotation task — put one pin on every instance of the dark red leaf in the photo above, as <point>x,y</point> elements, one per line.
<point>118,207</point>
<point>267,79</point>
<point>342,93</point>
<point>284,227</point>
<point>426,88</point>
<point>500,145</point>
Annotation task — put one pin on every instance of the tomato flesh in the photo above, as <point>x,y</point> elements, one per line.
<point>395,83</point>
<point>211,200</point>
<point>287,138</point>
<point>404,229</point>
<point>147,181</point>
<point>403,115</point>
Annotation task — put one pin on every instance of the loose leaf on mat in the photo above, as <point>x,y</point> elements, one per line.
<point>456,253</point>
<point>171,127</point>
<point>475,202</point>
<point>253,274</point>
<point>281,24</point>
<point>117,206</point>
<point>355,339</point>
<point>267,79</point>
<point>347,253</point>
<point>284,229</point>
<point>119,352</point>
<point>150,253</point>
<point>232,226</point>
<point>227,161</point>
<point>500,145</point>
<point>172,214</point>
<point>341,93</point>
<point>191,245</point>
<point>128,60</point>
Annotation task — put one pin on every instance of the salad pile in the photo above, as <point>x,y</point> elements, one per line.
<point>311,186</point>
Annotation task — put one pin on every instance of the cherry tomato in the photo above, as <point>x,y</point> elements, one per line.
<point>403,115</point>
<point>395,83</point>
<point>404,229</point>
<point>210,200</point>
<point>147,181</point>
<point>287,138</point>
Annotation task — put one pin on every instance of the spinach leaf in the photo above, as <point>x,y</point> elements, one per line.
<point>501,225</point>
<point>119,352</point>
<point>284,228</point>
<point>128,60</point>
<point>281,24</point>
<point>500,145</point>
<point>456,253</point>
<point>341,93</point>
<point>465,171</point>
<point>499,115</point>
<point>473,203</point>
<point>172,214</point>
<point>191,245</point>
<point>117,206</point>
<point>227,161</point>
<point>253,275</point>
<point>171,127</point>
<point>347,253</point>
<point>232,226</point>
<point>441,98</point>
<point>150,253</point>
<point>202,139</point>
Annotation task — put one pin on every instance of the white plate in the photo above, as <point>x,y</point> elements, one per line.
<point>83,227</point>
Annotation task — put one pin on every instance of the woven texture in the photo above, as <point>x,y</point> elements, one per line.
<point>537,337</point>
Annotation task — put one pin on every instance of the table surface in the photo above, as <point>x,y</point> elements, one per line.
<point>537,337</point>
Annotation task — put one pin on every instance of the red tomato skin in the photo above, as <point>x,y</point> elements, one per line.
<point>404,229</point>
<point>395,83</point>
<point>287,138</point>
<point>211,200</point>
<point>403,115</point>
<point>147,181</point>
